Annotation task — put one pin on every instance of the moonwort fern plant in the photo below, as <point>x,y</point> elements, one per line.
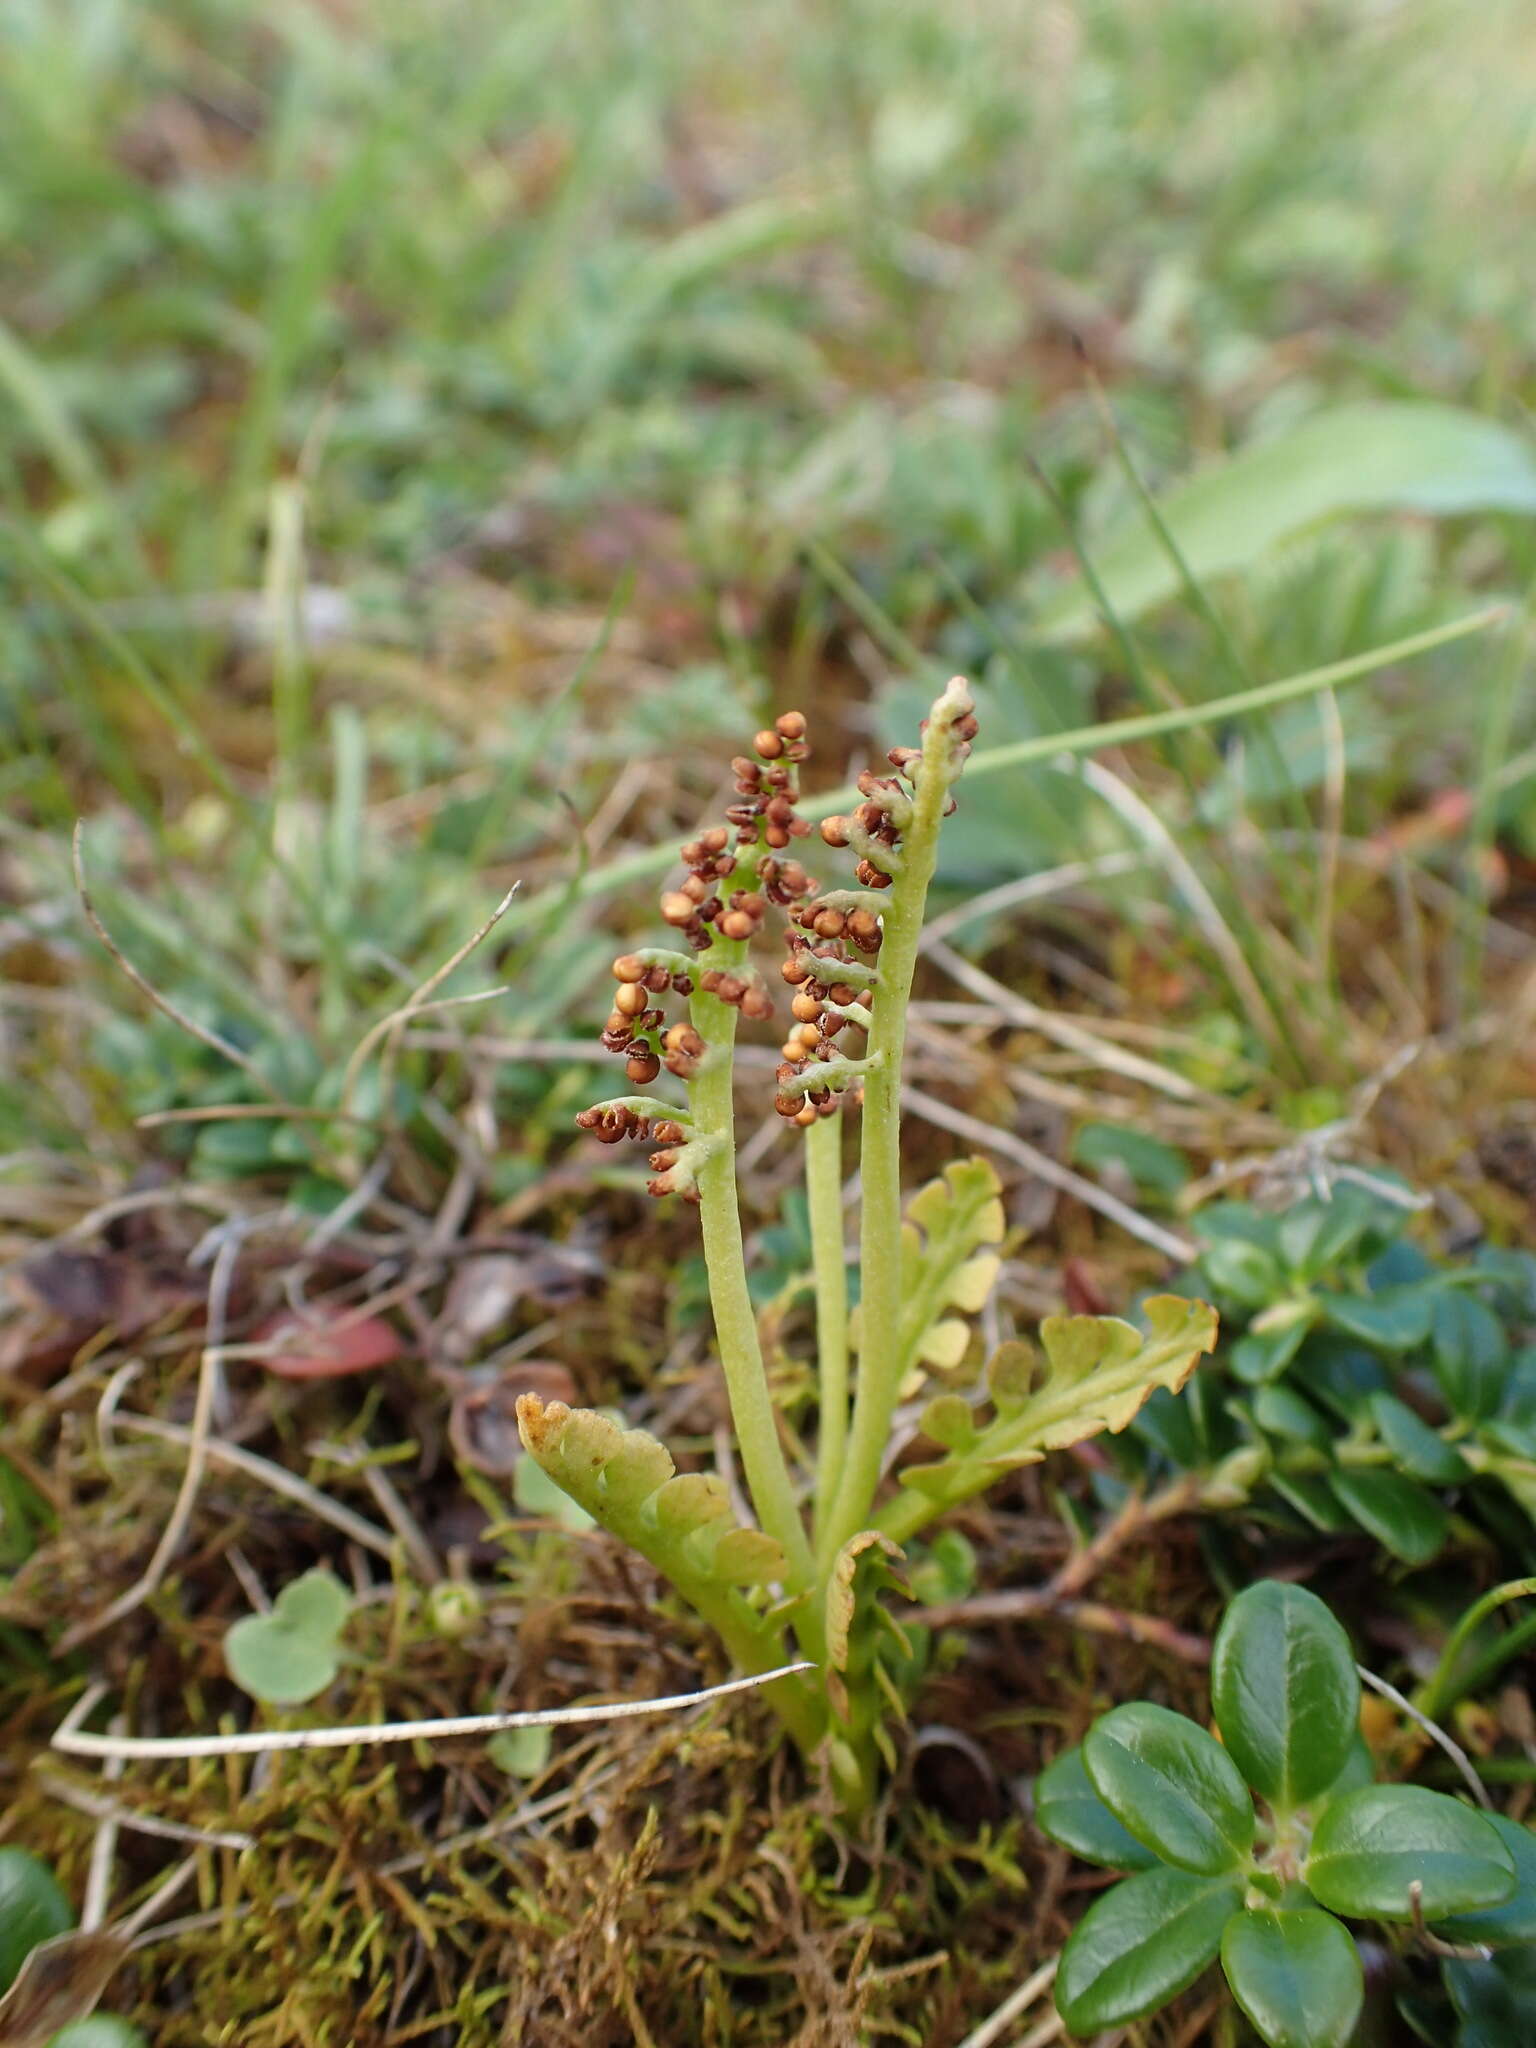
<point>831,1537</point>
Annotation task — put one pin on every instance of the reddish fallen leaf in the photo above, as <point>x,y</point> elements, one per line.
<point>326,1344</point>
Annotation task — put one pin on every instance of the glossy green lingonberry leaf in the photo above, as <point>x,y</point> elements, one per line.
<point>1470,1351</point>
<point>32,1909</point>
<point>1096,1374</point>
<point>1418,1449</point>
<point>1261,1356</point>
<point>1515,1920</point>
<point>1069,1810</point>
<point>1281,1411</point>
<point>1495,2001</point>
<point>1369,1847</point>
<point>1172,1785</point>
<point>1296,1974</point>
<point>1394,1509</point>
<point>1359,1769</point>
<point>1392,1321</point>
<point>1284,1692</point>
<point>1244,1273</point>
<point>1140,1945</point>
<point>1316,1236</point>
<point>1314,1499</point>
<point>290,1654</point>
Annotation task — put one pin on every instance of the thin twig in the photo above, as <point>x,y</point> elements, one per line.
<point>140,1823</point>
<point>72,1740</point>
<point>417,1000</point>
<point>197,1455</point>
<point>163,1003</point>
<point>1451,1951</point>
<point>98,1876</point>
<point>1061,1030</point>
<point>1172,1244</point>
<point>1013,2006</point>
<point>1148,827</point>
<point>1434,1731</point>
<point>277,1478</point>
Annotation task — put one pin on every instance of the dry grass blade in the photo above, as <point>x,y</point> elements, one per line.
<point>1060,1030</point>
<point>146,988</point>
<point>1173,1244</point>
<point>72,1740</point>
<point>197,1456</point>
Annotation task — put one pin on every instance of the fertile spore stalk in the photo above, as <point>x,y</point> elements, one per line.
<point>821,1555</point>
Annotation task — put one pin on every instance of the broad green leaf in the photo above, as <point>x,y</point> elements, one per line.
<point>1172,1785</point>
<point>1359,1769</point>
<point>683,1524</point>
<point>1394,1509</point>
<point>1316,1235</point>
<point>1153,1165</point>
<point>1260,1356</point>
<point>1281,1411</point>
<point>1407,456</point>
<point>290,1654</point>
<point>1496,2000</point>
<point>1314,1499</point>
<point>1140,1945</point>
<point>1284,1692</point>
<point>1297,1976</point>
<point>1471,1353</point>
<point>1096,1373</point>
<point>1420,1450</point>
<point>1515,1920</point>
<point>1069,1810</point>
<point>1246,1273</point>
<point>1393,1321</point>
<point>32,1909</point>
<point>1369,1847</point>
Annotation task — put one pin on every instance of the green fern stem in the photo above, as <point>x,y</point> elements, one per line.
<point>746,1379</point>
<point>879,1376</point>
<point>824,1197</point>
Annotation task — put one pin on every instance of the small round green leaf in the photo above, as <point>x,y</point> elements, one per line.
<point>290,1654</point>
<point>275,1663</point>
<point>1370,1846</point>
<point>1172,1785</point>
<point>1284,1691</point>
<point>1394,1509</point>
<point>1069,1810</point>
<point>32,1909</point>
<point>1515,1920</point>
<point>316,1605</point>
<point>1143,1942</point>
<point>1297,1976</point>
<point>101,2030</point>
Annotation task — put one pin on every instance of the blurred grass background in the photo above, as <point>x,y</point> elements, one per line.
<point>419,420</point>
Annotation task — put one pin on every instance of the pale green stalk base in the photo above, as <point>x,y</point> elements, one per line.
<point>879,1381</point>
<point>824,1197</point>
<point>757,1430</point>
